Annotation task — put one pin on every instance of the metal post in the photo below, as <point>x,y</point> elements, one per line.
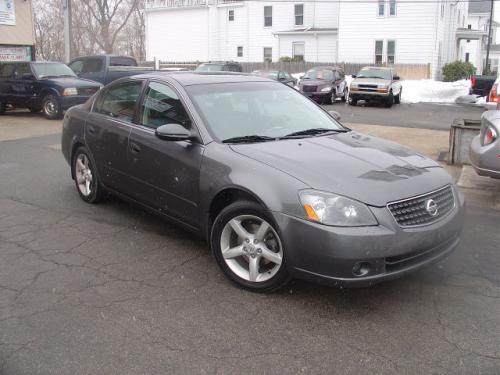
<point>67,52</point>
<point>489,42</point>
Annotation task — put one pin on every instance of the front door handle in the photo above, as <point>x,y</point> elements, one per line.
<point>135,148</point>
<point>91,129</point>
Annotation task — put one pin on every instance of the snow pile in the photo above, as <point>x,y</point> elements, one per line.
<point>430,91</point>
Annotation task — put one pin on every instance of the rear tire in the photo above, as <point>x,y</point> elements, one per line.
<point>252,259</point>
<point>51,107</point>
<point>86,178</point>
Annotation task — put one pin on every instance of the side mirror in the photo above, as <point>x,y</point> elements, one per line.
<point>173,132</point>
<point>335,115</point>
<point>28,76</point>
<point>353,75</point>
<point>301,77</point>
<point>396,78</point>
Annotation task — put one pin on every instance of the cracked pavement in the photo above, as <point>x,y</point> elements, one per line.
<point>110,289</point>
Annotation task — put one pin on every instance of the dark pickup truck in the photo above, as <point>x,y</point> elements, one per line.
<point>50,87</point>
<point>481,85</point>
<point>106,68</point>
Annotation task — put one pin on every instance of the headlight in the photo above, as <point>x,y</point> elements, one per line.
<point>490,135</point>
<point>382,86</point>
<point>70,91</point>
<point>354,85</point>
<point>326,89</point>
<point>333,209</point>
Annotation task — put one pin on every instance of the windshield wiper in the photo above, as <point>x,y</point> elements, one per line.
<point>314,131</point>
<point>249,139</point>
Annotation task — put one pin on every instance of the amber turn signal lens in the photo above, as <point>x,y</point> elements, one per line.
<point>310,213</point>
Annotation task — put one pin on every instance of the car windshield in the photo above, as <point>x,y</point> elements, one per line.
<point>262,109</point>
<point>375,73</point>
<point>318,74</point>
<point>43,70</point>
<point>210,68</point>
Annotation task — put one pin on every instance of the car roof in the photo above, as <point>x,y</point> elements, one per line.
<point>188,78</point>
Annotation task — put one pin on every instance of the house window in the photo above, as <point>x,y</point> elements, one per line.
<point>392,7</point>
<point>391,51</point>
<point>298,50</point>
<point>268,54</point>
<point>379,49</point>
<point>299,14</point>
<point>467,56</point>
<point>381,7</point>
<point>239,51</point>
<point>469,27</point>
<point>231,15</point>
<point>268,16</point>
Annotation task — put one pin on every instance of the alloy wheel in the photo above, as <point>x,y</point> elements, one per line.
<point>83,174</point>
<point>251,248</point>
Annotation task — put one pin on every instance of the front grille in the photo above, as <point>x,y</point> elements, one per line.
<point>309,88</point>
<point>413,211</point>
<point>87,91</point>
<point>368,86</point>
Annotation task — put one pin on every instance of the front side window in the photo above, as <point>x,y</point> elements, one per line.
<point>391,51</point>
<point>231,15</point>
<point>298,50</point>
<point>254,108</point>
<point>119,101</point>
<point>381,8</point>
<point>76,66</point>
<point>379,48</point>
<point>239,51</point>
<point>162,106</point>
<point>268,54</point>
<point>20,70</point>
<point>299,14</point>
<point>268,16</point>
<point>392,7</point>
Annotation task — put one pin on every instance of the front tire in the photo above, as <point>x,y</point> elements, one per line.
<point>51,107</point>
<point>352,101</point>
<point>85,175</point>
<point>389,101</point>
<point>248,248</point>
<point>397,99</point>
<point>345,97</point>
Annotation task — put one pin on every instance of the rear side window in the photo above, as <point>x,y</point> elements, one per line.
<point>162,106</point>
<point>6,70</point>
<point>92,66</point>
<point>119,101</point>
<point>122,61</point>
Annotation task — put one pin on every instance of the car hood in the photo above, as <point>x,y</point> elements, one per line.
<point>371,81</point>
<point>352,164</point>
<point>74,82</point>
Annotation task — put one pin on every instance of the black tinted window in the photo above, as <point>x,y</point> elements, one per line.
<point>119,101</point>
<point>121,61</point>
<point>21,69</point>
<point>92,65</point>
<point>76,66</point>
<point>162,106</point>
<point>6,70</point>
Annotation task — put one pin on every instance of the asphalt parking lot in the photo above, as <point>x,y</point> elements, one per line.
<point>110,289</point>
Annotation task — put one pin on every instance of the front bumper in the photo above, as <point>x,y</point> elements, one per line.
<point>71,101</point>
<point>485,159</point>
<point>328,255</point>
<point>368,95</point>
<point>317,95</point>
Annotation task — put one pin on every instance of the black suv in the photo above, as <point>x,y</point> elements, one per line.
<point>220,66</point>
<point>50,87</point>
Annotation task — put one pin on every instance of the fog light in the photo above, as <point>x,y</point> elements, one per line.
<point>361,269</point>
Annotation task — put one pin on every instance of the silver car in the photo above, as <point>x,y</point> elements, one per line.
<point>485,147</point>
<point>376,84</point>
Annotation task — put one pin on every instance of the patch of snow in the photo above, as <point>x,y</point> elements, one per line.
<point>297,75</point>
<point>482,100</point>
<point>430,91</point>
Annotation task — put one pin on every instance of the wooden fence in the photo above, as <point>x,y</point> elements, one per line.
<point>405,71</point>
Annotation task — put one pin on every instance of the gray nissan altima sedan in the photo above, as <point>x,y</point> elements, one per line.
<point>278,187</point>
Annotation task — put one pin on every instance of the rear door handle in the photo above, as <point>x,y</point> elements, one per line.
<point>135,148</point>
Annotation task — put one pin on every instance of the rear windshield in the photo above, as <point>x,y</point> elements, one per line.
<point>122,61</point>
<point>326,74</point>
<point>46,70</point>
<point>210,68</point>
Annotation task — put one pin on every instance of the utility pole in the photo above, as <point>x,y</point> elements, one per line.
<point>67,30</point>
<point>487,68</point>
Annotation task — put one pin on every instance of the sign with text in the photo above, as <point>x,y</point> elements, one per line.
<point>14,53</point>
<point>7,12</point>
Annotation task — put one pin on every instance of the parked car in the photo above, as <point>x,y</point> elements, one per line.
<point>277,186</point>
<point>50,87</point>
<point>220,66</point>
<point>277,75</point>
<point>106,68</point>
<point>481,85</point>
<point>324,83</point>
<point>376,84</point>
<point>485,148</point>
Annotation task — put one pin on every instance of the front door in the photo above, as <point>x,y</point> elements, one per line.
<point>168,172</point>
<point>22,87</point>
<point>107,129</point>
